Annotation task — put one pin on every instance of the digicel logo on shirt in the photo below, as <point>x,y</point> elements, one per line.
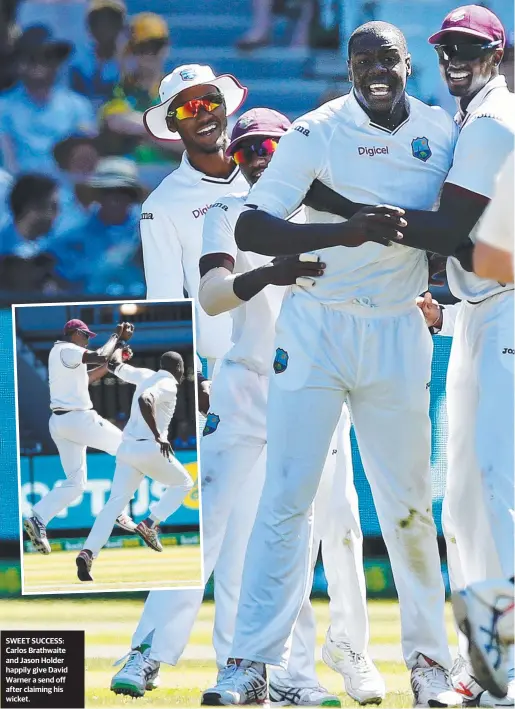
<point>201,211</point>
<point>373,151</point>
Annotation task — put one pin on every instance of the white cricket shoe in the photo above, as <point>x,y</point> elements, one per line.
<point>139,674</point>
<point>464,681</point>
<point>239,682</point>
<point>361,677</point>
<point>431,685</point>
<point>125,522</point>
<point>484,613</point>
<point>282,696</point>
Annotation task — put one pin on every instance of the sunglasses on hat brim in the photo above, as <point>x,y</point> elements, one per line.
<point>191,108</point>
<point>465,51</point>
<point>261,148</point>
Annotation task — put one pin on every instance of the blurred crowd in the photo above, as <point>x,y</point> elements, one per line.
<point>74,151</point>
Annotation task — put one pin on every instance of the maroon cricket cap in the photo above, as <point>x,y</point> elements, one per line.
<point>472,20</point>
<point>72,325</point>
<point>258,121</point>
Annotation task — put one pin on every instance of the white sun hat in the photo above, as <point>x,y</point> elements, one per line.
<point>183,77</point>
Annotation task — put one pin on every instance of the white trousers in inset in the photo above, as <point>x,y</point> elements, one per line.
<point>232,472</point>
<point>134,461</point>
<point>72,433</point>
<point>478,505</point>
<point>381,362</point>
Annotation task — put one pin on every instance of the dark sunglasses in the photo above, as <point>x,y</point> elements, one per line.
<point>464,51</point>
<point>262,148</point>
<point>83,332</point>
<point>190,109</point>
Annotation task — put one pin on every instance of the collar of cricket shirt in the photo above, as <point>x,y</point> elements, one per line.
<point>498,83</point>
<point>361,118</point>
<point>194,176</point>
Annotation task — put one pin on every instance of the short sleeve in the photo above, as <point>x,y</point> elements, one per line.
<point>297,162</point>
<point>218,232</point>
<point>480,152</point>
<point>163,391</point>
<point>71,357</point>
<point>496,226</point>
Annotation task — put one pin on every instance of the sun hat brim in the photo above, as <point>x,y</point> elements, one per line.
<point>233,92</point>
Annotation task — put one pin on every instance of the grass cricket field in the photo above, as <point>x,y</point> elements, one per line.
<point>126,569</point>
<point>109,625</point>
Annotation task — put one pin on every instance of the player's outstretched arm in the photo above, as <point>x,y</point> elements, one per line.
<point>222,290</point>
<point>264,234</point>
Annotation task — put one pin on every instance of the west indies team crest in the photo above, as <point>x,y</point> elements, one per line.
<point>212,421</point>
<point>420,149</point>
<point>280,361</point>
<point>188,74</point>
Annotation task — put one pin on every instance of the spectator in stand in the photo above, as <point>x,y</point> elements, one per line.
<point>8,35</point>
<point>96,69</point>
<point>259,35</point>
<point>77,158</point>
<point>101,256</point>
<point>122,128</point>
<point>25,264</point>
<point>37,113</point>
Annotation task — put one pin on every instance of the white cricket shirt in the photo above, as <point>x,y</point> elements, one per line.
<point>496,226</point>
<point>338,144</point>
<point>486,139</point>
<point>171,224</point>
<point>254,321</point>
<point>68,378</point>
<point>163,387</point>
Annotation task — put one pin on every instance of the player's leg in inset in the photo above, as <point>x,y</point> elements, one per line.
<point>73,460</point>
<point>126,481</point>
<point>336,507</point>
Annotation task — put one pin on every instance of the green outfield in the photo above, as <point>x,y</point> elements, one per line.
<point>109,625</point>
<point>129,568</point>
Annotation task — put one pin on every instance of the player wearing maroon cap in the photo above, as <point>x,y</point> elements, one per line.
<point>480,396</point>
<point>74,424</point>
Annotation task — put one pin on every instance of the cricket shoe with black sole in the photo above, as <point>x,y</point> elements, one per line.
<point>150,536</point>
<point>84,563</point>
<point>282,696</point>
<point>239,682</point>
<point>139,674</point>
<point>36,532</point>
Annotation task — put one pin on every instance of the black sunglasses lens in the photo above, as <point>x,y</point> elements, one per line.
<point>461,51</point>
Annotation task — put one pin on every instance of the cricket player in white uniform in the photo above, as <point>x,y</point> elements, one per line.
<point>480,395</point>
<point>74,424</point>
<point>145,451</point>
<point>356,336</point>
<point>194,107</point>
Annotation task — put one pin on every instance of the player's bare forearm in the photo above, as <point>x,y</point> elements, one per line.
<point>324,199</point>
<point>262,233</point>
<point>146,406</point>
<point>95,374</point>
<point>109,347</point>
<point>94,358</point>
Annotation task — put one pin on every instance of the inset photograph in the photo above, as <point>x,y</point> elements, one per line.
<point>107,442</point>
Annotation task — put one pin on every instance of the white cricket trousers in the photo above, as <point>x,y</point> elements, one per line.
<point>232,477</point>
<point>478,505</point>
<point>72,433</point>
<point>135,460</point>
<point>381,362</point>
